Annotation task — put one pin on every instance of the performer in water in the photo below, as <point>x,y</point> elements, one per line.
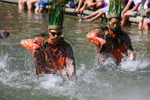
<point>111,41</point>
<point>52,55</point>
<point>3,34</point>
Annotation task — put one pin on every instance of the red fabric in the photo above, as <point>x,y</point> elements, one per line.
<point>51,59</point>
<point>97,37</point>
<point>112,33</point>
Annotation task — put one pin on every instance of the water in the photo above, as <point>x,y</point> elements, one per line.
<point>129,81</point>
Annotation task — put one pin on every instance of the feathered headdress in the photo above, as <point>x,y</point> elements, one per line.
<point>115,8</point>
<point>56,14</point>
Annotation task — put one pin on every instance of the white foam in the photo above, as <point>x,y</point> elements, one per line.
<point>91,84</point>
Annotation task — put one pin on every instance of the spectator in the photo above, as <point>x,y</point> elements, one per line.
<point>98,13</point>
<point>144,21</point>
<point>22,5</point>
<point>30,5</point>
<point>126,13</point>
<point>26,4</point>
<point>40,6</point>
<point>72,3</point>
<point>90,3</point>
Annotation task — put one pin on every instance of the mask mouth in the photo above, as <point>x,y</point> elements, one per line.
<point>115,29</point>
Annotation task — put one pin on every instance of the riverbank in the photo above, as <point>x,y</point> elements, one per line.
<point>70,11</point>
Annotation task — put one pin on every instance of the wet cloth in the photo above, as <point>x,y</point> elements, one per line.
<point>115,46</point>
<point>51,58</point>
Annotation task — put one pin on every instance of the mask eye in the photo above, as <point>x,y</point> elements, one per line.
<point>112,24</point>
<point>58,34</point>
<point>53,33</point>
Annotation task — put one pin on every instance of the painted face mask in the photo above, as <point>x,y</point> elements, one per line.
<point>114,25</point>
<point>53,36</point>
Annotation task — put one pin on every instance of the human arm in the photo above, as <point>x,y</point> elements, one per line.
<point>135,8</point>
<point>126,8</point>
<point>129,49</point>
<point>70,62</point>
<point>96,37</point>
<point>32,44</point>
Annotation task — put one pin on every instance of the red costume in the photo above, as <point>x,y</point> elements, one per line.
<point>51,57</point>
<point>105,42</point>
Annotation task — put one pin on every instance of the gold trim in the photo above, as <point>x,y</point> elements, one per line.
<point>55,27</point>
<point>113,16</point>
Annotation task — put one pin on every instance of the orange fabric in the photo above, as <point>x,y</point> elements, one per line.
<point>32,44</point>
<point>118,52</point>
<point>50,59</point>
<point>112,33</point>
<point>97,37</point>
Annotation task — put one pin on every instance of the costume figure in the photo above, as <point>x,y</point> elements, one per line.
<point>111,41</point>
<point>52,55</point>
<point>3,34</point>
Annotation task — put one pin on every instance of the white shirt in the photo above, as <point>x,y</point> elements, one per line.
<point>139,1</point>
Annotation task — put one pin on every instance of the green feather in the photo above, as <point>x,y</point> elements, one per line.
<point>115,7</point>
<point>56,12</point>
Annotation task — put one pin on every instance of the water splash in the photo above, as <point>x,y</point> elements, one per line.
<point>90,83</point>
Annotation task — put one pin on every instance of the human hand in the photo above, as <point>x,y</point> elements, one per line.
<point>102,41</point>
<point>131,55</point>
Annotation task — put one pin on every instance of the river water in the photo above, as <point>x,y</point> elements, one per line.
<point>129,81</point>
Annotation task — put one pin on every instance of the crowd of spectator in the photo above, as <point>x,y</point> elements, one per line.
<point>131,8</point>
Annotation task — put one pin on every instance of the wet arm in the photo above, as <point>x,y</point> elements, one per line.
<point>96,37</point>
<point>70,62</point>
<point>129,49</point>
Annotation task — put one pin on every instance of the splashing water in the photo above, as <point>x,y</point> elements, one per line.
<point>90,83</point>
<point>128,81</point>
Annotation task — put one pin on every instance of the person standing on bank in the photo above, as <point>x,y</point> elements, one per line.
<point>53,55</point>
<point>111,41</point>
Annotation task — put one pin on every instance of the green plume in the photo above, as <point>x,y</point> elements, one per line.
<point>56,12</point>
<point>115,7</point>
